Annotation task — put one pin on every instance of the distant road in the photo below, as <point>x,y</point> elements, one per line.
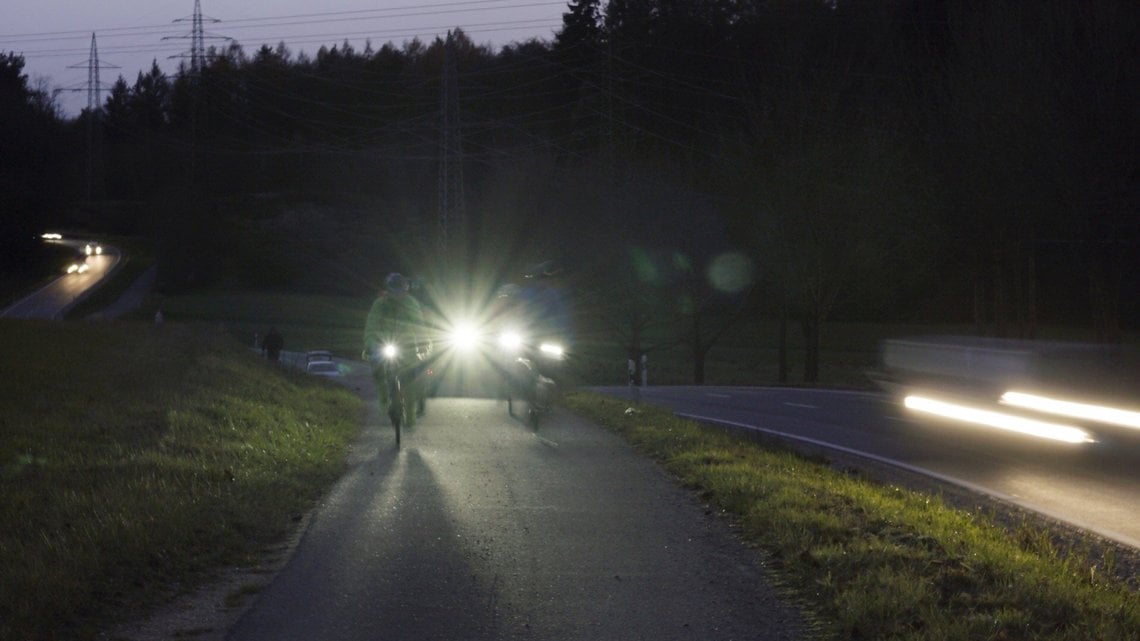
<point>55,298</point>
<point>1095,487</point>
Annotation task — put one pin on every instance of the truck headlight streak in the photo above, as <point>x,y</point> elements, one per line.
<point>1072,409</point>
<point>1040,429</point>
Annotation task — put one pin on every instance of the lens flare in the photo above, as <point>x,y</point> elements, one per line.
<point>730,272</point>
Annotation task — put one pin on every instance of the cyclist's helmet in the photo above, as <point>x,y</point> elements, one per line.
<point>396,283</point>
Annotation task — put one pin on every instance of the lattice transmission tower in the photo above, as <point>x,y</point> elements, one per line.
<point>94,86</point>
<point>197,38</point>
<point>452,218</point>
<point>94,89</point>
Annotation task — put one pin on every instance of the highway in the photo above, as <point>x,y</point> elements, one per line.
<point>1093,486</point>
<point>51,301</point>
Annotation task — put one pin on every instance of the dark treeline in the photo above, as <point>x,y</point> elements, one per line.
<point>911,160</point>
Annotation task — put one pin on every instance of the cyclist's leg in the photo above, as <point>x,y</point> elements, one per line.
<point>394,398</point>
<point>381,382</point>
<point>526,379</point>
<point>416,391</point>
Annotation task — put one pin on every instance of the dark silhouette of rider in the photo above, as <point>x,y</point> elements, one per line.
<point>396,317</point>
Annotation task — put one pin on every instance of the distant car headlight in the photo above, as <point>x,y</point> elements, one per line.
<point>77,268</point>
<point>52,236</point>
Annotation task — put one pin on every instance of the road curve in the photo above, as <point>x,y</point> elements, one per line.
<point>480,528</point>
<point>51,301</point>
<point>1094,487</point>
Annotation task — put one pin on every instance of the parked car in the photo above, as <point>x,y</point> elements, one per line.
<point>320,363</point>
<point>323,368</point>
<point>318,355</point>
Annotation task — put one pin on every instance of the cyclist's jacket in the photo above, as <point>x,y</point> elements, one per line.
<point>397,319</point>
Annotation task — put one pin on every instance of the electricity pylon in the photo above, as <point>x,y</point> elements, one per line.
<point>197,37</point>
<point>94,86</point>
<point>94,89</point>
<point>197,57</point>
<point>452,219</point>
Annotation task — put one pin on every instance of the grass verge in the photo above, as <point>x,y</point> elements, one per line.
<point>134,457</point>
<point>872,561</point>
<point>306,322</point>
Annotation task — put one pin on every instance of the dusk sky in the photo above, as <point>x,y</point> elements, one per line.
<point>54,36</point>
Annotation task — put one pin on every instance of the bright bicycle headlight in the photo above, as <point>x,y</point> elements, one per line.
<point>510,340</point>
<point>551,350</point>
<point>464,337</point>
<point>390,351</point>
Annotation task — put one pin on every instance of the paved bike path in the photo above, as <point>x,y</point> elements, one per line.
<point>480,528</point>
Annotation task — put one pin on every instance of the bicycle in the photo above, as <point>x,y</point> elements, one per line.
<point>394,369</point>
<point>397,410</point>
<point>524,376</point>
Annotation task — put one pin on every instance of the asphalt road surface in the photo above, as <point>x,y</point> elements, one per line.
<point>481,528</point>
<point>51,301</point>
<point>1094,486</point>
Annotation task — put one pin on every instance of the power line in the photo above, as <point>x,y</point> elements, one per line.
<point>248,23</point>
<point>451,204</point>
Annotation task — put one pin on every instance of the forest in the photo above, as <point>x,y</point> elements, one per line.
<point>693,162</point>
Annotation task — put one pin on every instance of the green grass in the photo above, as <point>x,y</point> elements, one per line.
<point>871,561</point>
<point>306,322</point>
<point>134,457</point>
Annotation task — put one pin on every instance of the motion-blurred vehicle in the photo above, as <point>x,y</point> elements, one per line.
<point>1050,389</point>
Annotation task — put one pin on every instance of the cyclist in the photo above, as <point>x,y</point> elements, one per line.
<point>537,311</point>
<point>397,318</point>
